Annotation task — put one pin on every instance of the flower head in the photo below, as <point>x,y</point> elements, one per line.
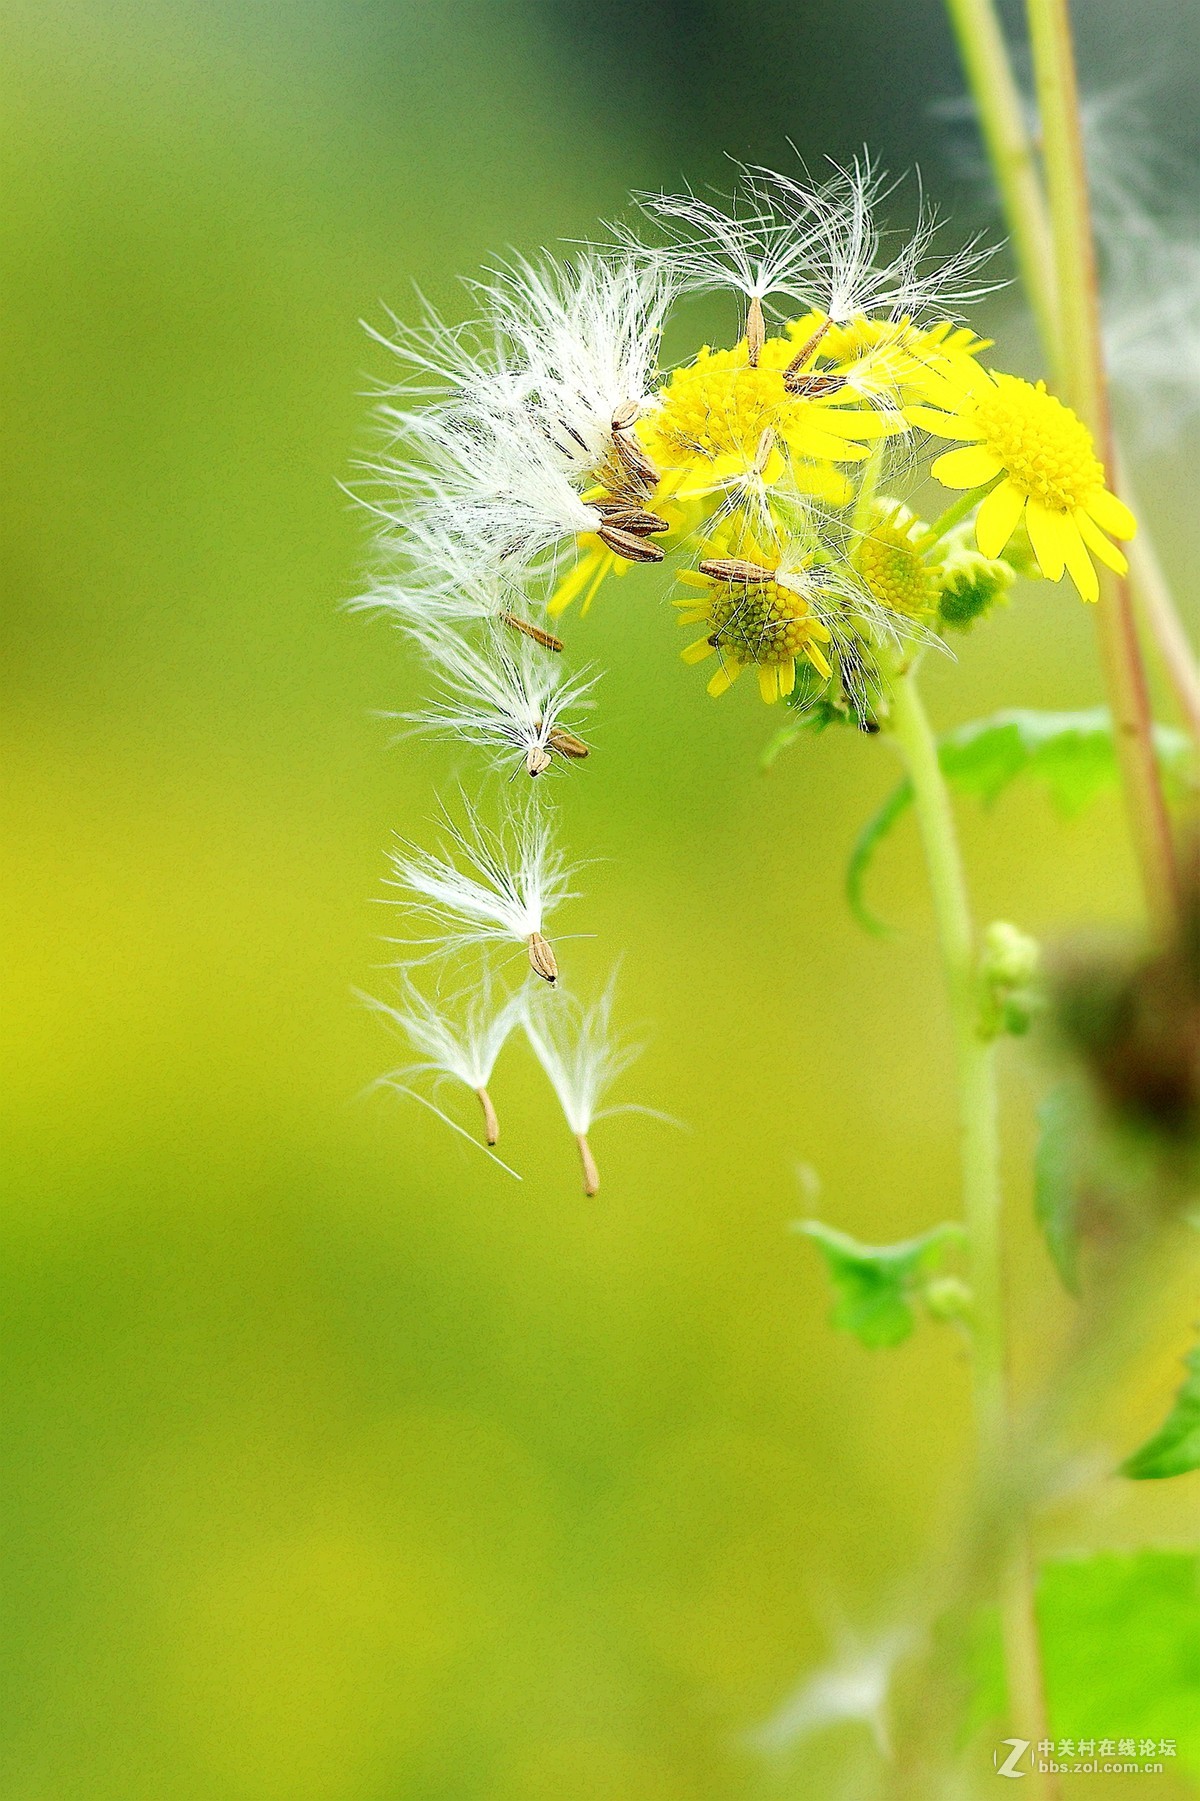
<point>1042,464</point>
<point>890,560</point>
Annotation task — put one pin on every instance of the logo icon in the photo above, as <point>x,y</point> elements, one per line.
<point>1019,1746</point>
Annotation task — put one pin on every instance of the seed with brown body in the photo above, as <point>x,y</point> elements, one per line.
<point>546,639</point>
<point>756,331</point>
<point>736,570</point>
<point>567,744</point>
<point>629,518</point>
<point>807,349</point>
<point>542,960</point>
<point>537,759</point>
<point>491,1125</point>
<point>627,545</point>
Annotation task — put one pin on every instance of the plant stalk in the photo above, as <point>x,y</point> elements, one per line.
<point>975,1066</point>
<point>1083,378</point>
<point>1011,153</point>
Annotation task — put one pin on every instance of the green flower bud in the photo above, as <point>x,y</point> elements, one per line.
<point>947,1298</point>
<point>971,585</point>
<point>1008,968</point>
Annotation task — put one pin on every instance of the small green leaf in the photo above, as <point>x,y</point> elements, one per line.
<point>1071,753</point>
<point>1055,1182</point>
<point>1175,1447</point>
<point>875,1285</point>
<point>1121,1650</point>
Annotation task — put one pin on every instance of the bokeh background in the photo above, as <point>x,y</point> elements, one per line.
<point>339,1465</point>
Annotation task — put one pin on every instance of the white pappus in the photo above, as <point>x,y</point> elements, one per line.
<point>487,887</point>
<point>582,1058</point>
<point>458,1038</point>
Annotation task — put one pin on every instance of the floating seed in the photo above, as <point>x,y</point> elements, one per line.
<point>542,960</point>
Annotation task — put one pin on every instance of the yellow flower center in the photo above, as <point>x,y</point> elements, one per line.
<point>767,624</point>
<point>891,567</point>
<point>1045,449</point>
<point>720,406</point>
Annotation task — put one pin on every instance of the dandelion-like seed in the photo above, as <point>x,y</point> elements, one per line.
<point>458,1038</point>
<point>488,886</point>
<point>582,1058</point>
<point>507,698</point>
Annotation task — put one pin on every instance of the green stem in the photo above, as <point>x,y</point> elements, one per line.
<point>1011,154</point>
<point>1083,369</point>
<point>950,518</point>
<point>975,1066</point>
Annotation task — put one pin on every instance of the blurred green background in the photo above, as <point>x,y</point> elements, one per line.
<point>340,1466</point>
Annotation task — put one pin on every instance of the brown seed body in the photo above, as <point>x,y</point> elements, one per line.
<point>491,1125</point>
<point>641,470</point>
<point>806,350</point>
<point>627,545</point>
<point>629,518</point>
<point>736,570</point>
<point>591,1175</point>
<point>546,639</point>
<point>756,331</point>
<point>813,386</point>
<point>566,743</point>
<point>542,960</point>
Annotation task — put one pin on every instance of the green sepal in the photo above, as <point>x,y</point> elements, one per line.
<point>1174,1450</point>
<point>1071,753</point>
<point>876,1286</point>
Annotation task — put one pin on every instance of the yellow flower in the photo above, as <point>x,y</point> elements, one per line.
<point>716,414</point>
<point>890,563</point>
<point>752,617</point>
<point>1044,467</point>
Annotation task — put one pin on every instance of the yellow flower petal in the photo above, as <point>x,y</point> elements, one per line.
<point>998,518</point>
<point>696,653</point>
<point>1099,545</point>
<point>942,425</point>
<point>1112,514</point>
<point>575,581</point>
<point>787,676</point>
<point>768,682</point>
<point>691,578</point>
<point>966,468</point>
<point>1079,563</point>
<point>817,659</point>
<point>1047,534</point>
<point>725,677</point>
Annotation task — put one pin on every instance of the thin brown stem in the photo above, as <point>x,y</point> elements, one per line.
<point>1083,374</point>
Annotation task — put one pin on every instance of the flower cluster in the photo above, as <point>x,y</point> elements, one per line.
<point>542,450</point>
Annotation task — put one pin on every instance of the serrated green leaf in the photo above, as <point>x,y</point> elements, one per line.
<point>1055,1182</point>
<point>1120,1639</point>
<point>1174,1449</point>
<point>1072,754</point>
<point>875,1284</point>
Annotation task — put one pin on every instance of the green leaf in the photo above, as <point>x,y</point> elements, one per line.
<point>875,1285</point>
<point>1071,753</point>
<point>1175,1447</point>
<point>1121,1649</point>
<point>1055,1182</point>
